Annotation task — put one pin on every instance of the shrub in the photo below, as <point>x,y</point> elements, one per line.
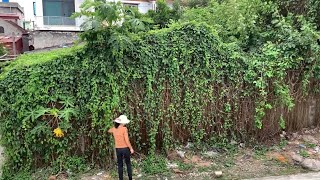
<point>189,82</point>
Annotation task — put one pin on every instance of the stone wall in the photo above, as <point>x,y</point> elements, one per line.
<point>46,39</point>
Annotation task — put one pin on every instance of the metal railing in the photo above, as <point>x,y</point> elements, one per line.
<point>56,21</point>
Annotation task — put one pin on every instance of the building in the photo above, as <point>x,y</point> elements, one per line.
<point>16,39</point>
<point>50,22</point>
<point>54,15</point>
<point>11,11</point>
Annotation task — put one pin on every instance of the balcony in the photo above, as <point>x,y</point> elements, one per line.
<point>57,23</point>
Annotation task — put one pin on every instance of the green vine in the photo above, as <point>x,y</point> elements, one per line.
<point>193,81</point>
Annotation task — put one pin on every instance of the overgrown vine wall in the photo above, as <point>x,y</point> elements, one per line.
<point>176,85</point>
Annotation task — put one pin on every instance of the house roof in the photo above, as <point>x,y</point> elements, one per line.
<point>9,39</point>
<point>9,16</point>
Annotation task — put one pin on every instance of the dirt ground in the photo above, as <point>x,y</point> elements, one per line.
<point>245,163</point>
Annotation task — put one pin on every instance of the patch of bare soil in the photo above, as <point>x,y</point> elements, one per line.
<point>279,159</point>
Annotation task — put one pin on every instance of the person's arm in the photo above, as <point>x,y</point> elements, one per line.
<point>111,130</point>
<point>126,138</point>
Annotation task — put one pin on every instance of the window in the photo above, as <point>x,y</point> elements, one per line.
<point>34,9</point>
<point>58,12</point>
<point>131,5</point>
<point>1,29</point>
<point>5,0</point>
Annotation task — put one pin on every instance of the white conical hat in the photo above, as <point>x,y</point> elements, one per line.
<point>122,119</point>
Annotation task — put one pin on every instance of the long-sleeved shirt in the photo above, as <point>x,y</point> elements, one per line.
<point>121,137</point>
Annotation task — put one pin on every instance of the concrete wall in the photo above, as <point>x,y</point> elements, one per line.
<point>45,39</point>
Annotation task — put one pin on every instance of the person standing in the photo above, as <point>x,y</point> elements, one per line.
<point>122,144</point>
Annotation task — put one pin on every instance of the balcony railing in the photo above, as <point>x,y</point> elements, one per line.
<point>57,23</point>
<point>56,20</point>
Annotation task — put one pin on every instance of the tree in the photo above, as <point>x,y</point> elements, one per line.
<point>100,14</point>
<point>164,14</point>
<point>197,3</point>
<point>112,22</point>
<point>307,8</point>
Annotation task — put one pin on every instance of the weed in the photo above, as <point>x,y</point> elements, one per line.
<point>76,164</point>
<point>114,173</point>
<point>207,178</point>
<point>229,162</point>
<point>303,153</point>
<point>260,151</point>
<point>203,169</point>
<point>40,173</point>
<point>184,166</point>
<point>73,164</point>
<point>25,175</point>
<point>154,165</point>
<point>311,145</point>
<point>283,143</point>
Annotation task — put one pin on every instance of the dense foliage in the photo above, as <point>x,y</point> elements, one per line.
<point>2,50</point>
<point>214,75</point>
<point>307,8</point>
<point>162,16</point>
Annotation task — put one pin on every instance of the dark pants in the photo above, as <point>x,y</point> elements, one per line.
<point>124,153</point>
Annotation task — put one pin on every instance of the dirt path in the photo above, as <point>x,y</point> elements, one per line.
<point>309,176</point>
<point>206,176</point>
<point>1,159</point>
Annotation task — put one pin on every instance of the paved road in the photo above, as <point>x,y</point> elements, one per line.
<point>307,176</point>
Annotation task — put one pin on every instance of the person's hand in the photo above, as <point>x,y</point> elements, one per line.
<point>131,151</point>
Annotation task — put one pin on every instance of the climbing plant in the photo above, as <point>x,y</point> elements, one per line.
<point>307,8</point>
<point>202,79</point>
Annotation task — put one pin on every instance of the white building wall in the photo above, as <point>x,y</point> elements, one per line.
<point>39,18</point>
<point>36,21</point>
<point>77,4</point>
<point>39,8</point>
<point>27,8</point>
<point>143,6</point>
